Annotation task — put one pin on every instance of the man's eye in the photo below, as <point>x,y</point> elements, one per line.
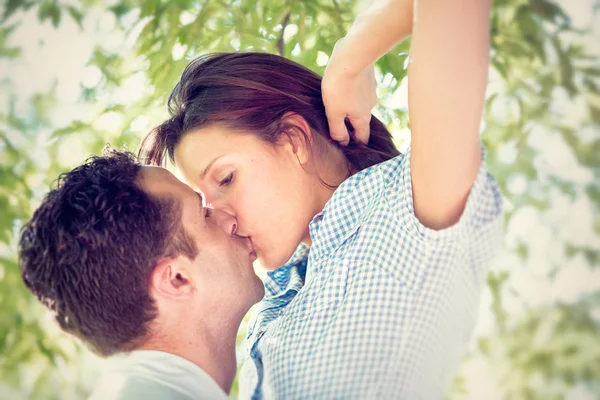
<point>227,180</point>
<point>207,212</point>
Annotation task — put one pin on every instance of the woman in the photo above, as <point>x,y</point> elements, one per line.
<point>376,260</point>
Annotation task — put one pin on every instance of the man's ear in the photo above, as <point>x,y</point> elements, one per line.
<point>170,279</point>
<point>299,135</point>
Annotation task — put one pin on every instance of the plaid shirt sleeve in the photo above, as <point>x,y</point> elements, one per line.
<point>479,227</point>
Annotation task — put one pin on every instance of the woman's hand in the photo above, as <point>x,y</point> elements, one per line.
<point>348,94</point>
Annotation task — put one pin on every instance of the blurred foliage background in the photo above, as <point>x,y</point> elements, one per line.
<point>76,74</point>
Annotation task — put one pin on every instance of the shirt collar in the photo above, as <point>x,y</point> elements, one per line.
<point>290,275</point>
<point>344,212</point>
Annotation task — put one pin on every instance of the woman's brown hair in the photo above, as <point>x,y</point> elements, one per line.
<point>252,92</point>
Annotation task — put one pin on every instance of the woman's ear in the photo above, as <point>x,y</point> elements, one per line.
<point>170,279</point>
<point>299,134</point>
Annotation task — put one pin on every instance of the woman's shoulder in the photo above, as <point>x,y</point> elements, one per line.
<point>373,176</point>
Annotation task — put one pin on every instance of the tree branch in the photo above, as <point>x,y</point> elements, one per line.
<point>280,43</point>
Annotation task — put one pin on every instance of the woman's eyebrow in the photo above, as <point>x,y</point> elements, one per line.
<point>208,167</point>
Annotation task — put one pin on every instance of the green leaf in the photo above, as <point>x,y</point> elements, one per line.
<point>76,14</point>
<point>11,6</point>
<point>74,127</point>
<point>150,7</point>
<point>566,68</point>
<point>49,9</point>
<point>121,8</point>
<point>12,52</point>
<point>550,11</point>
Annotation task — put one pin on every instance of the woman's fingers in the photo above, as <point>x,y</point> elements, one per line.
<point>348,103</point>
<point>337,128</point>
<point>361,128</point>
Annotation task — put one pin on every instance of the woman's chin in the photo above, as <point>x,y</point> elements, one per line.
<point>268,266</point>
<point>270,263</point>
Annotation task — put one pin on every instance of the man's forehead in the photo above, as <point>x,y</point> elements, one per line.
<point>160,182</point>
<point>154,172</point>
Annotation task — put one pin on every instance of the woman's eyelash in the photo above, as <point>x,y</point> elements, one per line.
<point>227,180</point>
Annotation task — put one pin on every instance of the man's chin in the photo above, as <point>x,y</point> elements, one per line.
<point>260,292</point>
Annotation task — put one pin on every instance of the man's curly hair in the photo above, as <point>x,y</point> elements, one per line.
<point>90,248</point>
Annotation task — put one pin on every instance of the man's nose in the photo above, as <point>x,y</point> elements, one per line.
<point>225,220</point>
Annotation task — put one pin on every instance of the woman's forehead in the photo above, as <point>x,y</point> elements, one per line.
<point>201,147</point>
<point>159,181</point>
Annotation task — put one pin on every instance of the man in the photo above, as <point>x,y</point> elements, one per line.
<point>131,261</point>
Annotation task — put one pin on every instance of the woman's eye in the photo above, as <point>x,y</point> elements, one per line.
<point>227,180</point>
<point>207,212</point>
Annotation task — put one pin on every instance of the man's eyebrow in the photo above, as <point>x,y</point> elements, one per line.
<point>208,167</point>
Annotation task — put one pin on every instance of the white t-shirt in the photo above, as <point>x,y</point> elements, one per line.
<point>154,375</point>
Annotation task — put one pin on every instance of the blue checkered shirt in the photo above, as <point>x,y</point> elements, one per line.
<point>381,307</point>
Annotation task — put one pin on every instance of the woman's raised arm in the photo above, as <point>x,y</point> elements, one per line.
<point>447,77</point>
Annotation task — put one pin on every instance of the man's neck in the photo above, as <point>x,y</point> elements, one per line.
<point>213,350</point>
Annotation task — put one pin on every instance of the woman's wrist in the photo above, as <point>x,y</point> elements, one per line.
<point>374,33</point>
<point>344,60</point>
